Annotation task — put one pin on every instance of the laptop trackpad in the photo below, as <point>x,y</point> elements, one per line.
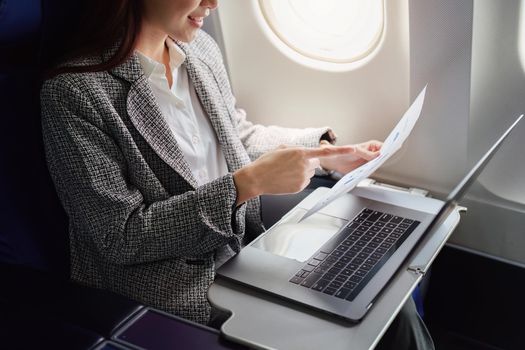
<point>299,241</point>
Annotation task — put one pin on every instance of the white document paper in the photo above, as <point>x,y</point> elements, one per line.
<point>392,143</point>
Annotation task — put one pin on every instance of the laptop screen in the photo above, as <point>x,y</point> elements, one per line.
<point>465,183</point>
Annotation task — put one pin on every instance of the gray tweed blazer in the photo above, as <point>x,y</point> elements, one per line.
<point>139,224</point>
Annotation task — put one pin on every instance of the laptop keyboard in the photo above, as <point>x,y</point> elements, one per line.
<point>343,266</point>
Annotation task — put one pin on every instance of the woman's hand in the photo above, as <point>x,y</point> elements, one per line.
<point>356,156</point>
<point>284,170</point>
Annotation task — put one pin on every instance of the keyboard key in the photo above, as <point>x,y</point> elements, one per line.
<point>329,276</point>
<point>361,229</point>
<point>330,290</point>
<point>375,229</point>
<point>374,216</point>
<point>356,249</point>
<point>399,230</point>
<point>361,273</point>
<point>358,261</point>
<point>326,264</point>
<point>342,248</point>
<point>346,259</point>
<point>335,284</point>
<point>321,270</point>
<point>367,211</point>
<point>386,230</point>
<point>321,256</point>
<point>358,220</point>
<point>296,280</point>
<point>342,293</point>
<point>311,279</point>
<point>391,225</point>
<point>376,256</point>
<point>341,278</point>
<point>314,262</point>
<point>366,267</point>
<point>396,219</point>
<point>332,259</point>
<point>320,285</point>
<point>356,279</point>
<point>308,268</point>
<point>363,255</point>
<point>363,215</point>
<point>366,224</point>
<point>334,270</point>
<point>390,240</point>
<point>372,245</point>
<point>350,254</point>
<point>368,250</point>
<point>385,245</point>
<point>405,226</point>
<point>347,272</point>
<point>352,266</point>
<point>349,285</point>
<point>340,264</point>
<point>371,261</point>
<point>371,235</point>
<point>381,250</point>
<point>379,224</point>
<point>347,242</point>
<point>385,217</point>
<point>408,221</point>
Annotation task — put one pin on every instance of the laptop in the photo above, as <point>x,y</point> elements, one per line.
<point>339,259</point>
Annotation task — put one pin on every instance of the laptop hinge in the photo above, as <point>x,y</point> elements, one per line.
<point>417,270</point>
<point>368,182</point>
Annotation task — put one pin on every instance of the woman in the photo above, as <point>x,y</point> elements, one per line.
<point>158,171</point>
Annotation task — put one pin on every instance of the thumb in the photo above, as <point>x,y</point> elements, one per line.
<point>365,153</point>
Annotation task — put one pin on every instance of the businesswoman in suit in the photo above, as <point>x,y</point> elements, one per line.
<point>158,171</point>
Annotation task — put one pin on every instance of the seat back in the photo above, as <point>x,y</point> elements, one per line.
<point>33,225</point>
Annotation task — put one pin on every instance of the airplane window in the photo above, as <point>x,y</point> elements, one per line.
<point>338,31</point>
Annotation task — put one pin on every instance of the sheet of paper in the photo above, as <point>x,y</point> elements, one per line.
<point>391,145</point>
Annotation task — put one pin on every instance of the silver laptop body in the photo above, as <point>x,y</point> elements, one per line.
<point>290,259</point>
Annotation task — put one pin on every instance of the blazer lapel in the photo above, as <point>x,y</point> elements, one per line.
<point>149,121</point>
<point>211,99</point>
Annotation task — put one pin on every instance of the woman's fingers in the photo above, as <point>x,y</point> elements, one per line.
<point>332,151</point>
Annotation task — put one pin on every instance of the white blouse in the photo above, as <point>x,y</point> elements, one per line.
<point>185,116</point>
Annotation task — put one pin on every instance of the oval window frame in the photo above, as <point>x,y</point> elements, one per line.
<point>306,56</point>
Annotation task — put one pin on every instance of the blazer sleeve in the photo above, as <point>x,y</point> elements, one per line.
<point>256,138</point>
<point>107,211</point>
<point>259,139</point>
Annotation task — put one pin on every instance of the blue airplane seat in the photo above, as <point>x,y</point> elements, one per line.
<point>33,225</point>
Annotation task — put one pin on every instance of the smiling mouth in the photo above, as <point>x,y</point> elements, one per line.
<point>195,19</point>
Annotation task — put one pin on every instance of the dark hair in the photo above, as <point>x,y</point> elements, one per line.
<point>90,28</point>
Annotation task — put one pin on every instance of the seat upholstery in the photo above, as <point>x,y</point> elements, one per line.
<point>33,225</point>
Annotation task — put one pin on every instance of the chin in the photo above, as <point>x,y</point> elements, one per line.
<point>186,37</point>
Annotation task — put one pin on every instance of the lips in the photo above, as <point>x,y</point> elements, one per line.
<point>197,20</point>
